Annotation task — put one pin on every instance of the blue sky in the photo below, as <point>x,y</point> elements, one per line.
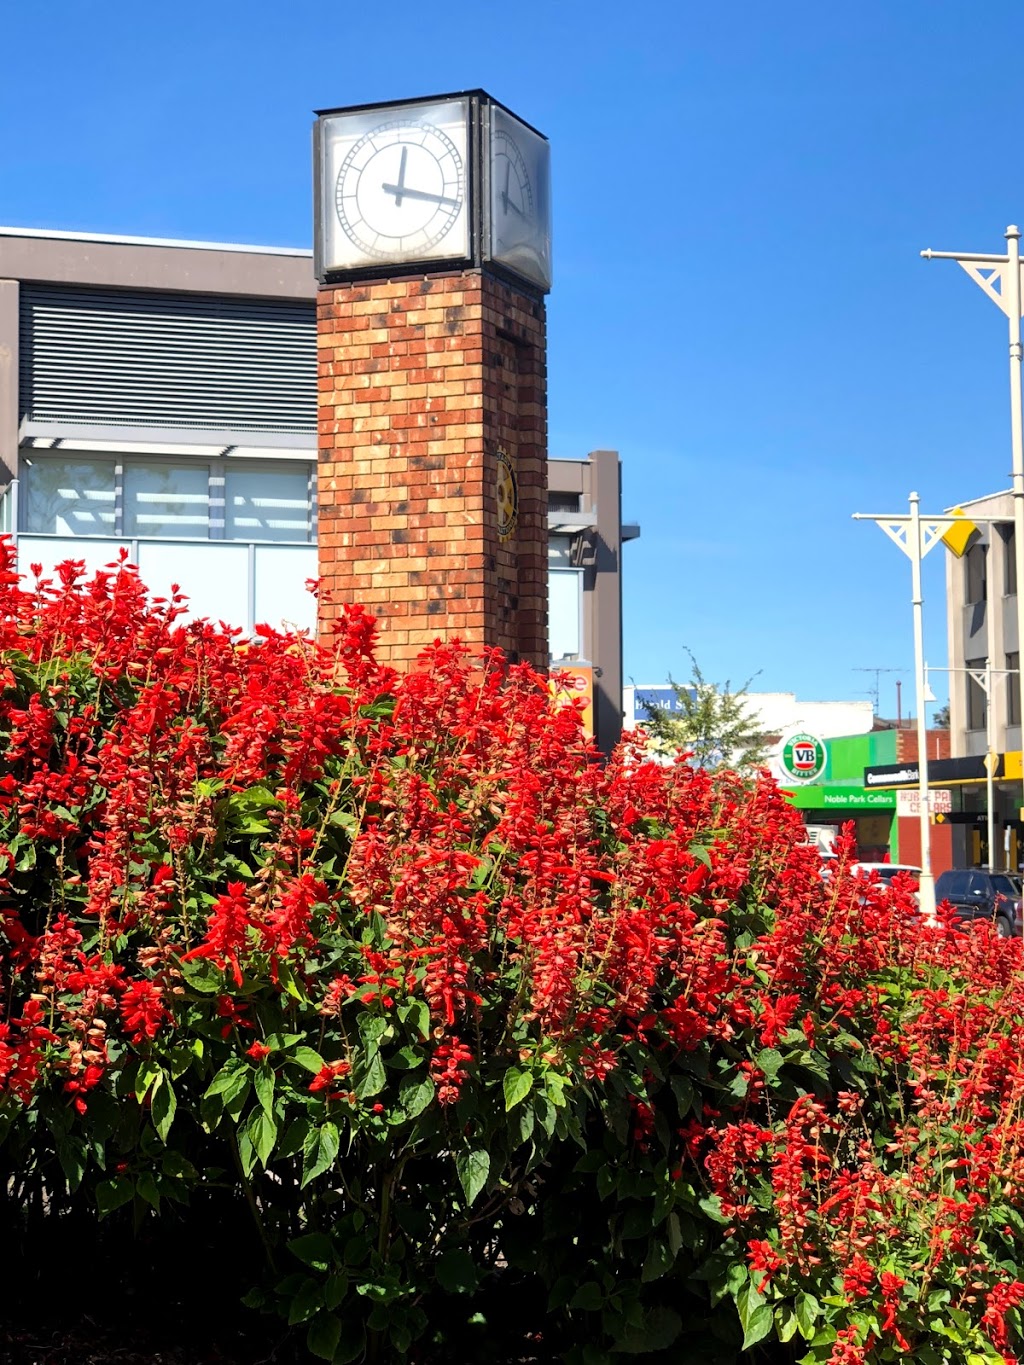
<point>740,196</point>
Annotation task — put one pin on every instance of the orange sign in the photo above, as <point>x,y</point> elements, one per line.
<point>572,682</point>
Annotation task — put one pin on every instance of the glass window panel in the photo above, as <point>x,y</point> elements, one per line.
<point>214,575</point>
<point>167,500</point>
<point>1009,561</point>
<point>975,570</point>
<point>67,497</point>
<point>564,613</point>
<point>281,598</point>
<point>264,503</point>
<point>1013,689</point>
<point>560,551</point>
<point>977,702</point>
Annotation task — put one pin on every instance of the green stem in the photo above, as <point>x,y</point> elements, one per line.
<point>250,1199</point>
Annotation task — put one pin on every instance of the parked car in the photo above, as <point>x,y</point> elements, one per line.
<point>883,873</point>
<point>976,894</point>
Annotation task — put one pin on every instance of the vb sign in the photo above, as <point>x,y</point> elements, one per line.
<point>802,758</point>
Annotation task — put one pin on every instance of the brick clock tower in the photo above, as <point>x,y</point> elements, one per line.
<point>433,253</point>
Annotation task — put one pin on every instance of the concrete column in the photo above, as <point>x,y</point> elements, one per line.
<point>9,416</point>
<point>606,598</point>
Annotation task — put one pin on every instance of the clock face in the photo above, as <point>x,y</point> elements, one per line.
<point>394,186</point>
<point>519,198</point>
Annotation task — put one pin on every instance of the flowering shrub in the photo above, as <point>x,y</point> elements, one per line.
<point>486,1040</point>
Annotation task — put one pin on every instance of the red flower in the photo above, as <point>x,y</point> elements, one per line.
<point>142,1009</point>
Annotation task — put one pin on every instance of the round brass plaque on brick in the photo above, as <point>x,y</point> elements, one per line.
<point>507,493</point>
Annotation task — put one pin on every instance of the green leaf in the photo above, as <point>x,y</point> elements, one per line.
<point>323,1336</point>
<point>147,1076</point>
<point>769,1060</point>
<point>262,1131</point>
<point>319,1152</point>
<point>111,1194</point>
<point>264,1081</point>
<point>712,1206</point>
<point>71,1153</point>
<point>308,1058</point>
<point>661,1327</point>
<point>164,1107</point>
<point>756,1316</point>
<point>683,1089</point>
<point>588,1297</point>
<point>146,1188</point>
<point>414,1095</point>
<point>314,1249</point>
<point>202,976</point>
<point>516,1085</point>
<point>374,1079</point>
<point>657,1263</point>
<point>473,1168</point>
<point>416,1013</point>
<point>807,1310</point>
<point>230,1080</point>
<point>372,1029</point>
<point>457,1272</point>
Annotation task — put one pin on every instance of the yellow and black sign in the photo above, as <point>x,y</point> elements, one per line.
<point>507,495</point>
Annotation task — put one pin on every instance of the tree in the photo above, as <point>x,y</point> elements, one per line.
<point>940,721</point>
<point>714,724</point>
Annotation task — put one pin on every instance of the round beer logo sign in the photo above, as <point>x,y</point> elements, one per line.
<point>802,758</point>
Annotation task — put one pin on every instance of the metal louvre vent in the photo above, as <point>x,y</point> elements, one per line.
<point>138,358</point>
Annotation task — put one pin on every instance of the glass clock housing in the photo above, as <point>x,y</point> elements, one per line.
<point>518,197</point>
<point>394,185</point>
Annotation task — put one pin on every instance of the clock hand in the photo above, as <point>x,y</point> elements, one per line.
<point>400,190</point>
<point>504,193</point>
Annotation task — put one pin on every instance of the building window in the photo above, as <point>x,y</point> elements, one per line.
<point>1009,561</point>
<point>976,699</point>
<point>69,497</point>
<point>267,503</point>
<point>563,502</point>
<point>165,500</point>
<point>1013,689</point>
<point>975,570</point>
<point>218,499</point>
<point>565,613</point>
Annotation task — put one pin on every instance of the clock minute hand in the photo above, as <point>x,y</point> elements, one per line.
<point>403,192</point>
<point>399,189</point>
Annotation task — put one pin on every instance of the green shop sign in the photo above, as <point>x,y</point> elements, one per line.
<point>841,798</point>
<point>802,758</point>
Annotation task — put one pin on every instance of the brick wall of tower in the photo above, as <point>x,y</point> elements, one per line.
<point>421,382</point>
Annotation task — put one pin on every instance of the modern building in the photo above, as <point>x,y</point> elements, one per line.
<point>161,395</point>
<point>981,610</point>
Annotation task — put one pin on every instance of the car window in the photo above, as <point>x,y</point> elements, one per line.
<point>951,884</point>
<point>1004,887</point>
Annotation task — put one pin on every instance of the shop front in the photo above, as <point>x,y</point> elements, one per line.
<point>958,796</point>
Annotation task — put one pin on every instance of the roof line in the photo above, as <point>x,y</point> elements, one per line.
<point>154,241</point>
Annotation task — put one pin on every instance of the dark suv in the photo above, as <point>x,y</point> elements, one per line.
<point>977,894</point>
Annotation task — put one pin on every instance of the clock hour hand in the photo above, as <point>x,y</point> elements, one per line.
<point>402,191</point>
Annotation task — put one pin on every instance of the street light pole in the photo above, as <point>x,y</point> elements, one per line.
<point>915,547</point>
<point>987,271</point>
